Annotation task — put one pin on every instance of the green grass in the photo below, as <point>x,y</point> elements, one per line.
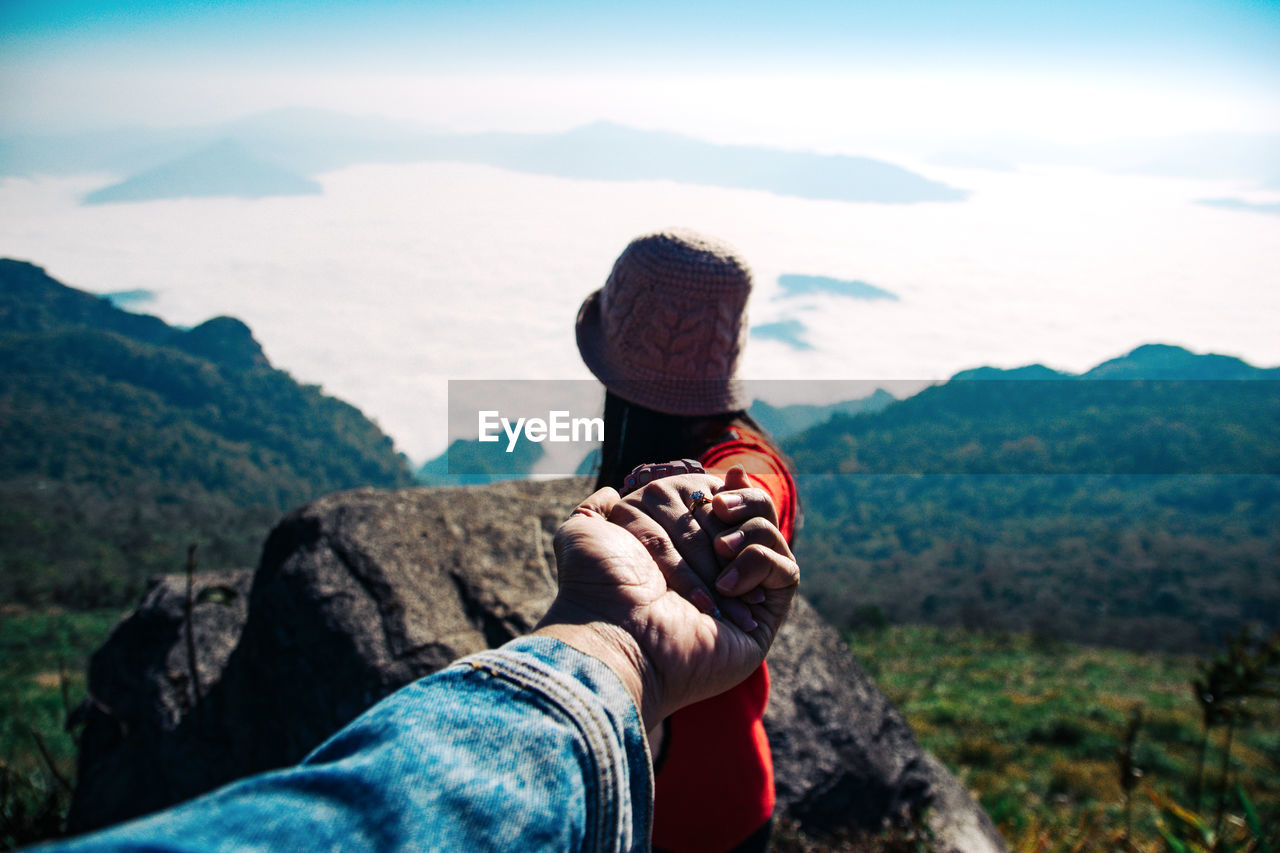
<point>44,655</point>
<point>1032,728</point>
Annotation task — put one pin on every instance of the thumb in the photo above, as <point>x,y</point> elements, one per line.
<point>579,523</point>
<point>599,503</point>
<point>736,478</point>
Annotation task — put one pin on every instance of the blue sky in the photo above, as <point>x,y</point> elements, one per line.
<point>90,54</point>
<point>1173,34</point>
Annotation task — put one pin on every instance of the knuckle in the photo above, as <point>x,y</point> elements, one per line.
<point>758,504</point>
<point>624,509</point>
<point>662,491</point>
<point>653,542</point>
<point>762,531</point>
<point>690,534</point>
<point>695,545</point>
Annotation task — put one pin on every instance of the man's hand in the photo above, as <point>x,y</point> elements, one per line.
<point>617,602</point>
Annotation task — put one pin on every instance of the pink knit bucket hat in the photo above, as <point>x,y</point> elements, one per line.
<point>668,327</point>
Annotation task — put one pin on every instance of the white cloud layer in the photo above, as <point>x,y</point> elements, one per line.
<point>401,277</point>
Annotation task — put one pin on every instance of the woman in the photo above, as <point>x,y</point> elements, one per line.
<point>665,335</point>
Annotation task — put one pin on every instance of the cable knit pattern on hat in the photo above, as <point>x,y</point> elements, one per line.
<point>667,329</point>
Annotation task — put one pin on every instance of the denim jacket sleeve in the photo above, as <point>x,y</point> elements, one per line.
<point>533,746</point>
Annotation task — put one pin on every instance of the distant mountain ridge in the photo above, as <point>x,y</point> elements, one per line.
<point>279,154</point>
<point>1149,361</point>
<point>1162,361</point>
<point>475,463</point>
<point>1159,409</point>
<point>608,151</point>
<point>32,302</point>
<point>122,439</point>
<point>223,169</point>
<point>783,422</point>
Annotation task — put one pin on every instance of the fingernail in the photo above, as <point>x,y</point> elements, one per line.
<point>730,500</point>
<point>756,596</point>
<point>733,541</point>
<point>703,602</point>
<point>727,580</point>
<point>746,623</point>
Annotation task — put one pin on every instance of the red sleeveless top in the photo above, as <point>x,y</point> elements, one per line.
<point>714,787</point>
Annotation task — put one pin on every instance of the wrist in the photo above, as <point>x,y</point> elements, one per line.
<point>615,648</point>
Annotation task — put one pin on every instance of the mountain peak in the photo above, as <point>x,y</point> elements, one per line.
<point>224,340</point>
<point>1166,361</point>
<point>1149,361</point>
<point>33,302</point>
<point>223,168</point>
<point>1027,372</point>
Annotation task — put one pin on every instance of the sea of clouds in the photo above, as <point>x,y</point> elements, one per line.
<point>400,277</point>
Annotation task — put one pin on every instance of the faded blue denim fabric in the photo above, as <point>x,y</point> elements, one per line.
<point>533,746</point>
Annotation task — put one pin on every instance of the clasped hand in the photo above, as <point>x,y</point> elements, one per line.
<point>683,604</point>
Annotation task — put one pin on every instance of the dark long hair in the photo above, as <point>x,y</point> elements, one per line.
<point>634,435</point>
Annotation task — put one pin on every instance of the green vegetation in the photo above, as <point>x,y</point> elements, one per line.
<point>44,656</point>
<point>124,439</point>
<point>1032,727</point>
<point>1135,513</point>
<point>1170,563</point>
<point>1035,729</point>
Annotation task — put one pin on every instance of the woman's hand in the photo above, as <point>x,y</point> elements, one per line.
<point>714,567</point>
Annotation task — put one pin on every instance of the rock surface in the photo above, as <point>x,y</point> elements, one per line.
<point>144,745</point>
<point>361,592</point>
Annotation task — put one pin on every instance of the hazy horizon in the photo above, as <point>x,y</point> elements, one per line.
<point>816,72</point>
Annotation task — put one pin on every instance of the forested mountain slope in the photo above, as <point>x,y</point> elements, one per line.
<point>122,439</point>
<point>1107,507</point>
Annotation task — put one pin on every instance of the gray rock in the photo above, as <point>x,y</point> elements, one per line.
<point>145,743</point>
<point>362,592</point>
